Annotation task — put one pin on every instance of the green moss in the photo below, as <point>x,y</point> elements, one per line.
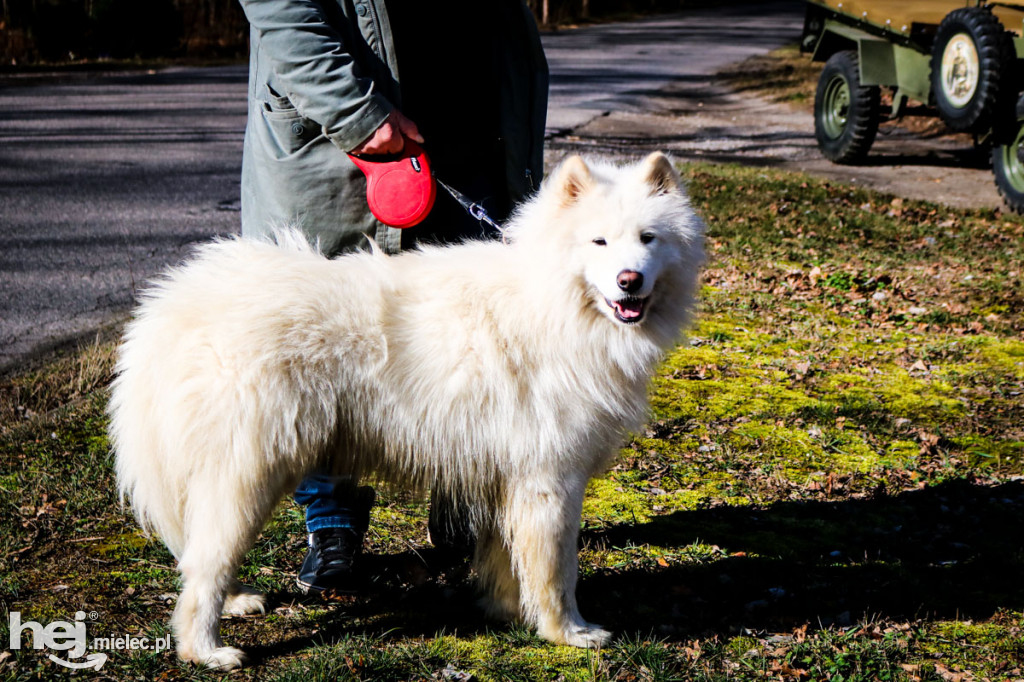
<point>922,403</point>
<point>690,357</point>
<point>121,546</point>
<point>795,448</point>
<point>658,447</point>
<point>896,393</point>
<point>1005,355</point>
<point>740,646</point>
<point>489,659</point>
<point>755,392</point>
<point>981,648</point>
<point>978,633</point>
<point>485,657</point>
<point>712,383</point>
<point>798,453</point>
<point>626,497</point>
<point>688,499</point>
<point>984,451</point>
<point>674,399</point>
<point>609,502</point>
<point>902,453</point>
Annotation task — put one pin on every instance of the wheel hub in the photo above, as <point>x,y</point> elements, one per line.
<point>1013,160</point>
<point>960,70</point>
<point>837,107</point>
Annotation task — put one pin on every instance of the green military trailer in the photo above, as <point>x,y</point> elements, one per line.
<point>962,61</point>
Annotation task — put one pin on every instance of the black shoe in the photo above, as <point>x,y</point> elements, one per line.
<point>329,564</point>
<point>333,551</point>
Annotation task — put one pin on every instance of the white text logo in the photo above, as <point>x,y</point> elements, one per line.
<point>61,635</point>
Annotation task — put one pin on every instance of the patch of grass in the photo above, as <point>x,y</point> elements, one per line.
<point>70,377</point>
<point>829,486</point>
<point>849,655</point>
<point>991,649</point>
<point>783,75</point>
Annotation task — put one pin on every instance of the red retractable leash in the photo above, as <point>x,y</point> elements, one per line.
<point>401,188</point>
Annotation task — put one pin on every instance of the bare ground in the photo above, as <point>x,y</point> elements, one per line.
<point>718,120</point>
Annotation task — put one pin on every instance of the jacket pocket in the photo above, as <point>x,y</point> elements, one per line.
<point>289,130</point>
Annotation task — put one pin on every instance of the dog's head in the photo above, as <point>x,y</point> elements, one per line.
<point>628,232</point>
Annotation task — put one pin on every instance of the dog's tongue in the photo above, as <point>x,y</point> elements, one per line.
<point>629,309</point>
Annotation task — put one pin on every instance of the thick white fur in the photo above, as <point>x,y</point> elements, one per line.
<point>497,370</point>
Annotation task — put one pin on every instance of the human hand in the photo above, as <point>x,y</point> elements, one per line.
<point>390,137</point>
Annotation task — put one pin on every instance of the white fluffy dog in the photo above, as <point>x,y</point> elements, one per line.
<point>507,374</point>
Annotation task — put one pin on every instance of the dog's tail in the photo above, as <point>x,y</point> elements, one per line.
<point>142,476</point>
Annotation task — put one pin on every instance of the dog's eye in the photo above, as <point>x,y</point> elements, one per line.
<point>600,241</point>
<point>647,238</point>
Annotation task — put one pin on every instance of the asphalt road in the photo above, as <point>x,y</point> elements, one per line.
<point>106,179</point>
<point>103,182</point>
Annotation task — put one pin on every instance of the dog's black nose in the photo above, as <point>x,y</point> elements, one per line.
<point>630,281</point>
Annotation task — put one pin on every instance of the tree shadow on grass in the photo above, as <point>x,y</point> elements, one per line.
<point>954,550</point>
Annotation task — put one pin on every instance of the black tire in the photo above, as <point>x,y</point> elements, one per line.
<point>971,66</point>
<point>845,112</point>
<point>1008,167</point>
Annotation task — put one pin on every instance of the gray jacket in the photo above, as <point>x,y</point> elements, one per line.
<point>323,76</point>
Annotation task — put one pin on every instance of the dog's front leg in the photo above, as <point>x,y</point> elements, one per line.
<point>543,518</point>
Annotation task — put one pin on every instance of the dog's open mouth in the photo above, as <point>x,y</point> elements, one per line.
<point>629,310</point>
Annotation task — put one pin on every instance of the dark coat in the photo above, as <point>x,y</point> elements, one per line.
<point>323,76</point>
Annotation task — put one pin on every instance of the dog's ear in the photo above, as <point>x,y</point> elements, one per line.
<point>571,180</point>
<point>660,175</point>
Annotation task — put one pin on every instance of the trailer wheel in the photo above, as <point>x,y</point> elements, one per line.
<point>845,112</point>
<point>971,59</point>
<point>1008,167</point>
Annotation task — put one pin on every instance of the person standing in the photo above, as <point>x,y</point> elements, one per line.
<point>328,78</point>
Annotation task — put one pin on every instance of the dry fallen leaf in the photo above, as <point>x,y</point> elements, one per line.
<point>815,275</point>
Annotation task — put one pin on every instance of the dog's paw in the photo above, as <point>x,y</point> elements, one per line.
<point>224,658</point>
<point>587,636</point>
<point>245,602</point>
<point>584,636</point>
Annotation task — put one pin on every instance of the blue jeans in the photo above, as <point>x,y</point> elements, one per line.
<point>329,500</point>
